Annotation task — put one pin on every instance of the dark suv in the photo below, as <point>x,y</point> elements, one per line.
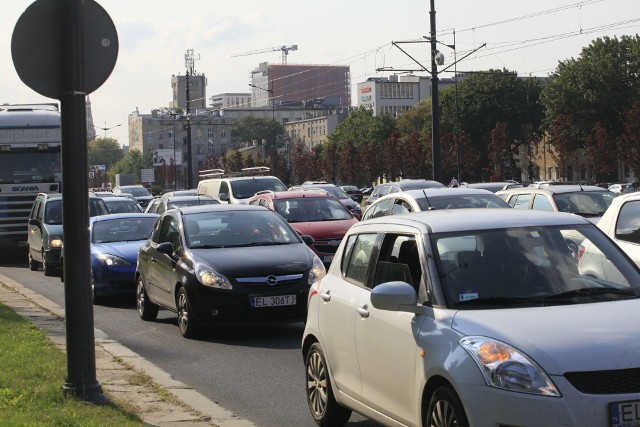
<point>311,212</point>
<point>45,230</point>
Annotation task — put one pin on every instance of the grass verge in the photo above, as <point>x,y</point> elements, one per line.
<point>32,373</point>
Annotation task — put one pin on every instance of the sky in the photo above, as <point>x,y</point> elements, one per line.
<point>529,38</point>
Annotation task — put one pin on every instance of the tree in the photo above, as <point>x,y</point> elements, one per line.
<point>131,163</point>
<point>104,151</point>
<point>599,86</point>
<point>564,142</point>
<point>501,153</point>
<point>629,141</point>
<point>602,152</point>
<point>250,128</point>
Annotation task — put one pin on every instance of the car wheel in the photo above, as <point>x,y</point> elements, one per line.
<point>146,309</point>
<point>445,409</point>
<point>47,269</point>
<point>324,408</point>
<point>186,323</point>
<point>97,299</point>
<point>33,264</point>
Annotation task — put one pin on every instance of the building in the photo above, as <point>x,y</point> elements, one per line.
<point>197,91</point>
<point>230,100</point>
<point>313,131</point>
<point>394,95</point>
<point>284,84</point>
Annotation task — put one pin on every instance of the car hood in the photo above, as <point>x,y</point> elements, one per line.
<point>247,261</point>
<point>582,337</point>
<point>324,229</point>
<point>124,250</point>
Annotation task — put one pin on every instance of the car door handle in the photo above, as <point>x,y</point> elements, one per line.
<point>326,296</point>
<point>364,310</point>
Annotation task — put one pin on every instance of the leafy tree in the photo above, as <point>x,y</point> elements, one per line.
<point>131,163</point>
<point>501,153</point>
<point>232,160</point>
<point>629,141</point>
<point>599,86</point>
<point>250,128</point>
<point>104,151</point>
<point>415,119</point>
<point>601,150</point>
<point>563,140</point>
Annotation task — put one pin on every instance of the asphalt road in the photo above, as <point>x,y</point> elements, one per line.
<point>258,373</point>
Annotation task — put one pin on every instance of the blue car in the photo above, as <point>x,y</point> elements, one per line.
<point>115,240</point>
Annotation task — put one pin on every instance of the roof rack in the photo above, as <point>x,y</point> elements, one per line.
<point>220,173</point>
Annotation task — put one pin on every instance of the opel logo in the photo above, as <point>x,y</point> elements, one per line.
<point>272,280</point>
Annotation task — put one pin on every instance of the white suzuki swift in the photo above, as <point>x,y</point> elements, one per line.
<point>474,318</point>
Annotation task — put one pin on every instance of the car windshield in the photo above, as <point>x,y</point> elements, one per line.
<point>334,191</point>
<point>532,266</point>
<point>585,203</point>
<point>121,230</point>
<point>245,188</point>
<point>193,202</point>
<point>122,206</point>
<point>136,191</point>
<point>462,201</point>
<point>53,212</point>
<point>311,209</point>
<point>237,228</point>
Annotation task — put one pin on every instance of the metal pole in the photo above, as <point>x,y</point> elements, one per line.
<point>81,358</point>
<point>435,104</point>
<point>190,168</point>
<point>455,73</point>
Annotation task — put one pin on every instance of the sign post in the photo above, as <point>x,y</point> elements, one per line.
<point>66,49</point>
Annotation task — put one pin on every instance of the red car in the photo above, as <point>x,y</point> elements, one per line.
<point>314,212</point>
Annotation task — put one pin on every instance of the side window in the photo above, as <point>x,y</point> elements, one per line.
<point>161,208</point>
<point>401,207</point>
<point>255,202</point>
<point>520,201</point>
<point>384,190</point>
<point>264,203</point>
<point>394,189</point>
<point>381,208</point>
<point>224,188</point>
<point>628,224</point>
<point>399,260</point>
<point>35,210</point>
<point>542,203</point>
<point>356,257</point>
<point>169,232</point>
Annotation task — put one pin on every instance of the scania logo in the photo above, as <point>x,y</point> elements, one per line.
<point>26,188</point>
<point>272,280</point>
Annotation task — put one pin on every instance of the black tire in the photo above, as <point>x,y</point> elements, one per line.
<point>33,264</point>
<point>146,309</point>
<point>322,403</point>
<point>97,299</point>
<point>47,269</point>
<point>445,409</point>
<point>186,323</point>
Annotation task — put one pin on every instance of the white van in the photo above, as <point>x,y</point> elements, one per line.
<point>237,187</point>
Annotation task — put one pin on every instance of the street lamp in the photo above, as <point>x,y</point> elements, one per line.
<point>273,127</point>
<point>105,128</point>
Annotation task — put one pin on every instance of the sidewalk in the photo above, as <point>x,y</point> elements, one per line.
<point>161,402</point>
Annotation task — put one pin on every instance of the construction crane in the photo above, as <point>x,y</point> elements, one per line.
<point>285,52</point>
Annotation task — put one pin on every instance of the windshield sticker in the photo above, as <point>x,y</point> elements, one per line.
<point>469,294</point>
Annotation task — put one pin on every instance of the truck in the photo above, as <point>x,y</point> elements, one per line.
<point>30,163</point>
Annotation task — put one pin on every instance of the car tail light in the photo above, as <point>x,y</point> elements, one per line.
<point>580,252</point>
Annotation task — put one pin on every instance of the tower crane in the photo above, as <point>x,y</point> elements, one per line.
<point>285,51</point>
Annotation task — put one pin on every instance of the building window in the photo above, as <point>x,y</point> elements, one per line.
<point>149,135</point>
<point>200,149</point>
<point>223,134</point>
<point>210,148</point>
<point>160,135</point>
<point>209,132</point>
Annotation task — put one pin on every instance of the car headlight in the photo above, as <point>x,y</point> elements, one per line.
<point>507,368</point>
<point>209,277</point>
<point>55,241</point>
<point>112,260</point>
<point>317,271</point>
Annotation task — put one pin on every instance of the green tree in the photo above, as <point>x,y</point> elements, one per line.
<point>629,141</point>
<point>601,149</point>
<point>599,86</point>
<point>131,163</point>
<point>250,128</point>
<point>104,151</point>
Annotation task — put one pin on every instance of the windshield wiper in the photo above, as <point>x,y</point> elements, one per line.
<point>593,292</point>
<point>499,301</point>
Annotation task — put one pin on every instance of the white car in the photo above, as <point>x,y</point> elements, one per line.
<point>621,188</point>
<point>473,318</point>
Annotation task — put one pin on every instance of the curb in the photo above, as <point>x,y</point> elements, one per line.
<point>115,366</point>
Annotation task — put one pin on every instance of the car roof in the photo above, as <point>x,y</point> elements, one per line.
<point>108,217</point>
<point>222,207</point>
<point>460,220</point>
<point>239,178</point>
<point>552,189</point>
<point>192,197</point>
<point>293,194</point>
<point>407,184</point>
<point>114,198</point>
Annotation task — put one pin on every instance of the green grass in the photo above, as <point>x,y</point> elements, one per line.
<point>32,373</point>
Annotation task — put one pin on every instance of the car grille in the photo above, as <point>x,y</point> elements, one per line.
<point>260,283</point>
<point>326,246</point>
<point>606,382</point>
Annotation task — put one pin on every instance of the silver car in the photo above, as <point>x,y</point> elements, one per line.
<point>473,318</point>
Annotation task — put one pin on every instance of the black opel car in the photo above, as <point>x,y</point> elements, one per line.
<point>225,265</point>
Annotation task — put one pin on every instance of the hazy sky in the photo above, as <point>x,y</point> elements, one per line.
<point>527,37</point>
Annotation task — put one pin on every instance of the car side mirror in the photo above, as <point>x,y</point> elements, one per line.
<point>224,197</point>
<point>307,239</point>
<point>165,248</point>
<point>34,221</point>
<point>394,296</point>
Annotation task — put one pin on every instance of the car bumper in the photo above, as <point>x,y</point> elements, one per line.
<point>51,256</point>
<point>488,406</point>
<point>216,307</point>
<point>114,281</point>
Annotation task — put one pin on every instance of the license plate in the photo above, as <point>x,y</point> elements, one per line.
<point>327,258</point>
<point>273,301</point>
<point>625,414</point>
